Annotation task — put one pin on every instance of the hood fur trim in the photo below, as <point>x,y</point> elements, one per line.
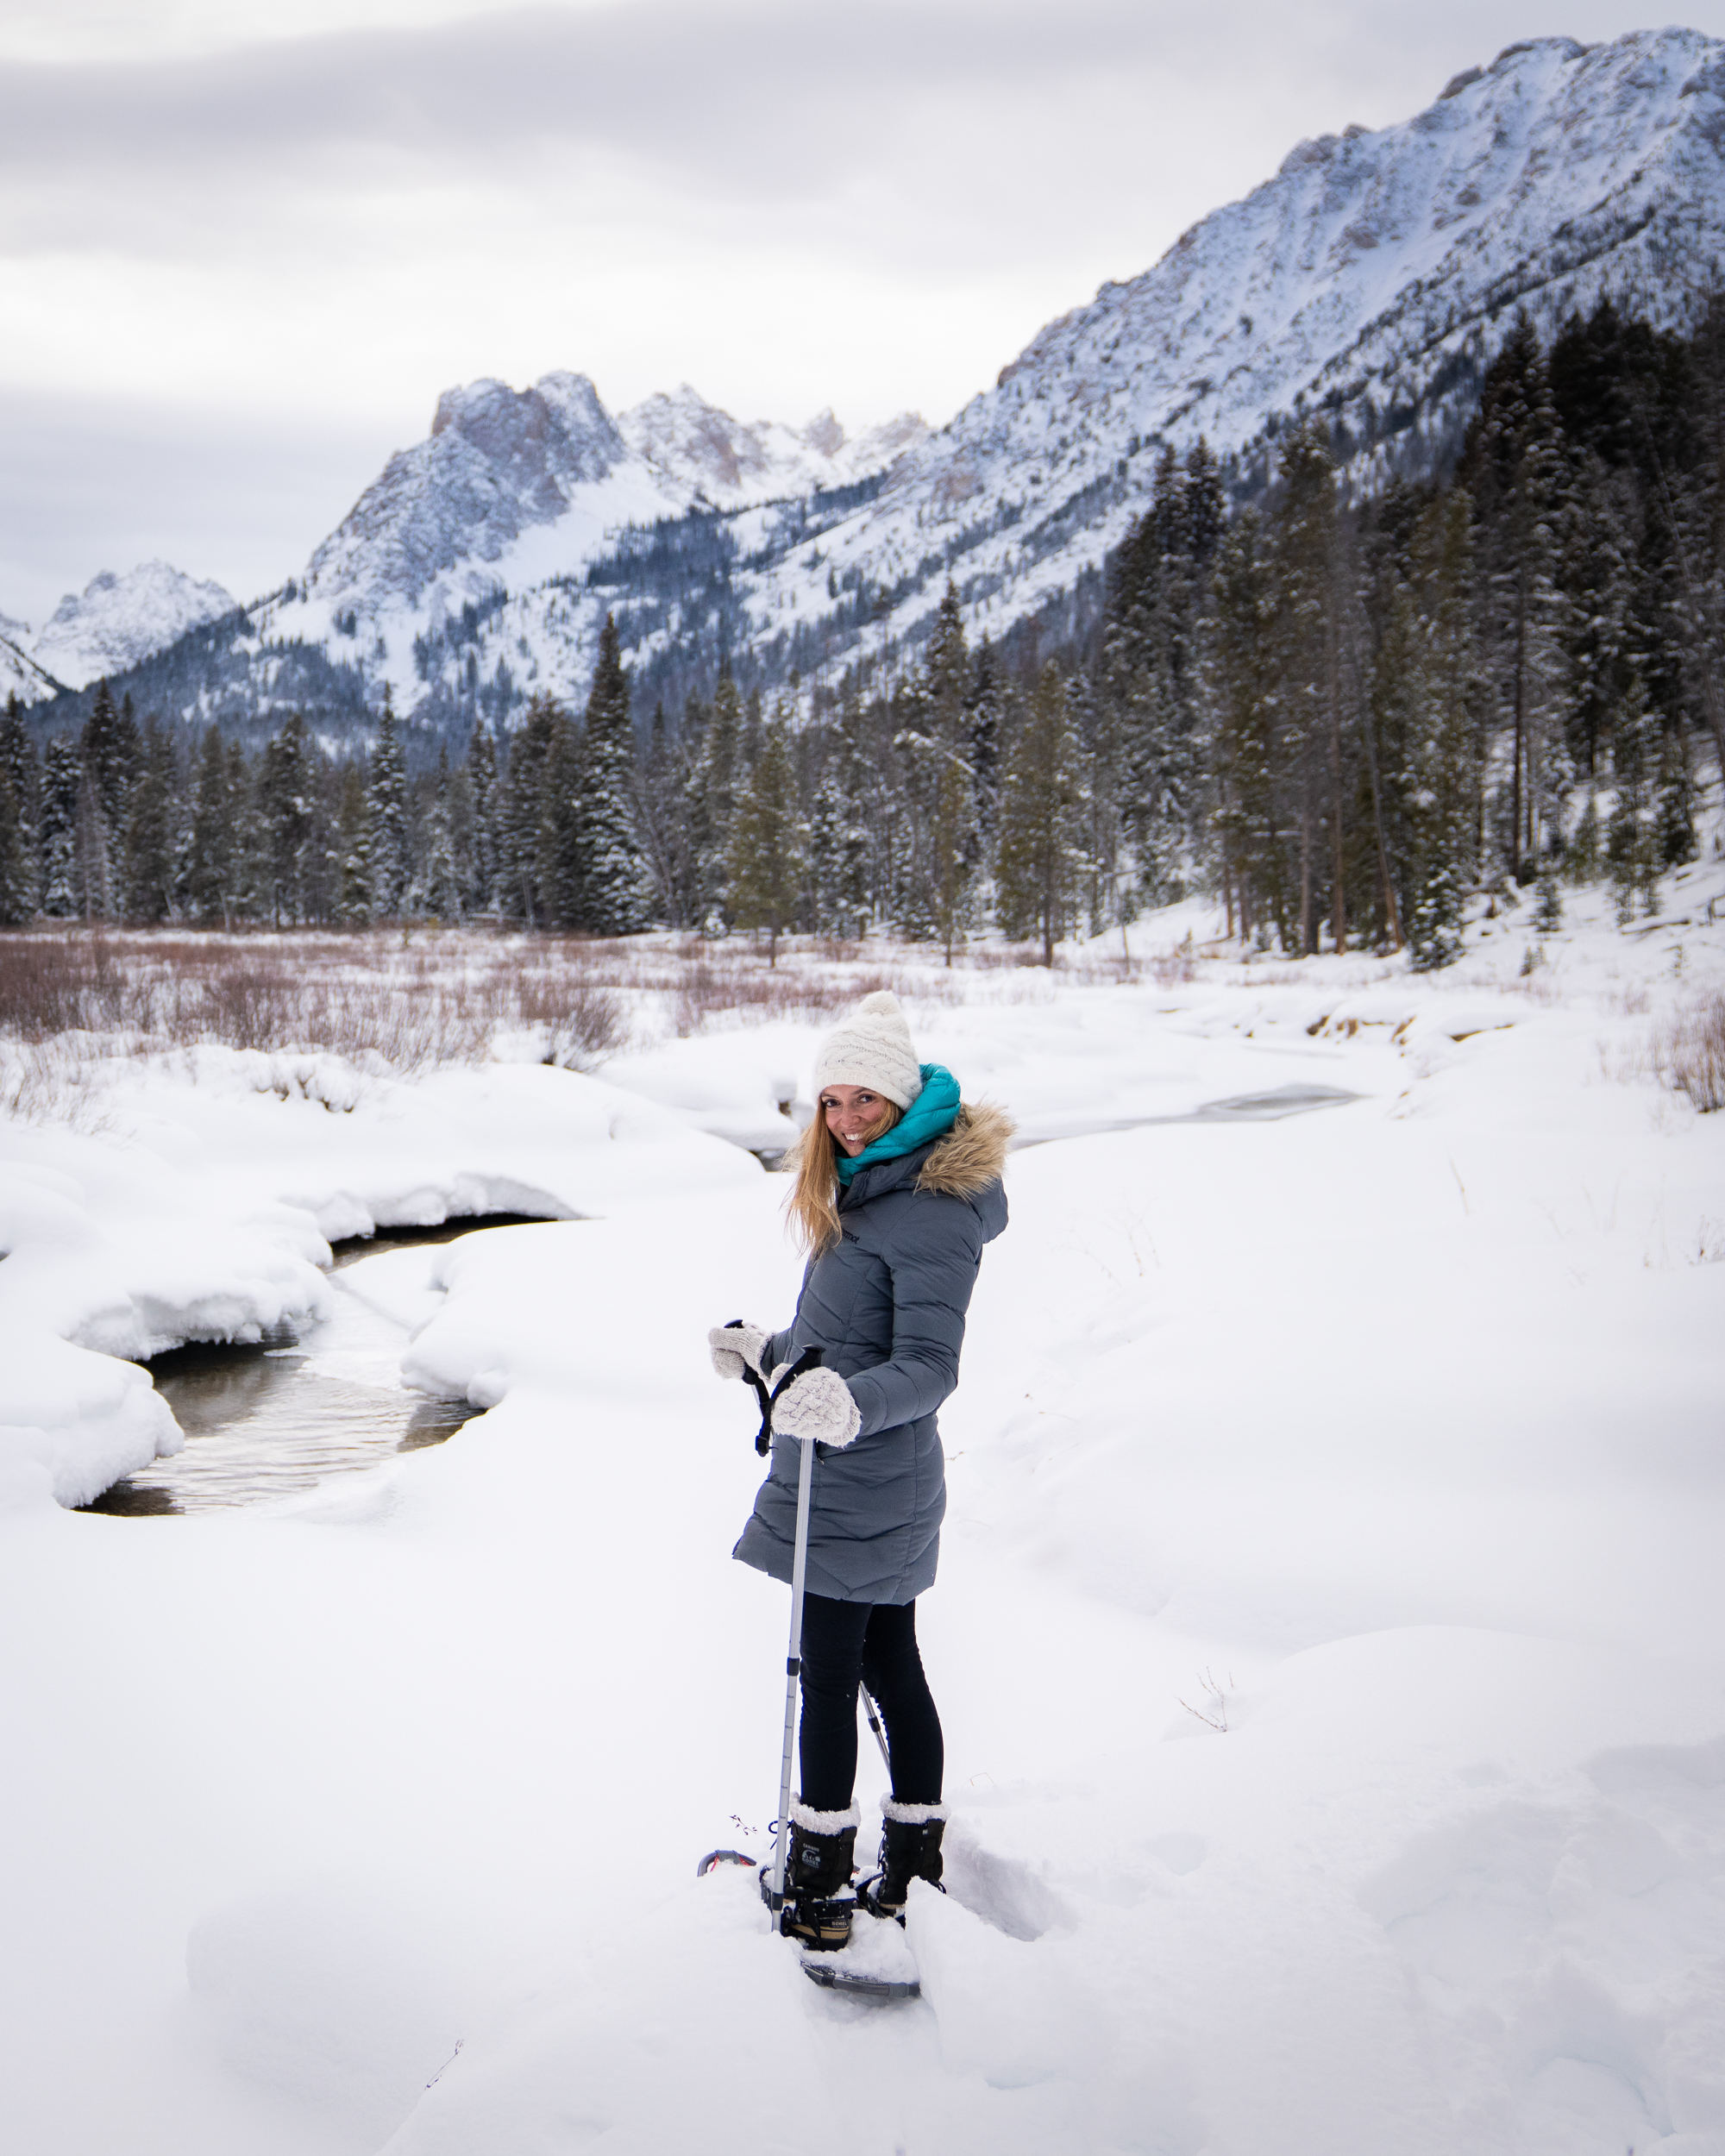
<point>971,1155</point>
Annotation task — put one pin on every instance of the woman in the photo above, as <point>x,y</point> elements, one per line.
<point>898,1187</point>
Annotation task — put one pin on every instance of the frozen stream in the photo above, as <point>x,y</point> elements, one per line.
<point>273,1419</point>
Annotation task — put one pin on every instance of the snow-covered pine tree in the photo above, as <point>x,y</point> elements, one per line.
<point>482,781</point>
<point>1310,586</point>
<point>519,844</point>
<point>941,790</point>
<point>664,820</point>
<point>284,808</point>
<point>250,883</point>
<point>391,863</point>
<point>1632,846</point>
<point>1515,469</point>
<point>14,879</point>
<point>151,827</point>
<point>1039,858</point>
<point>23,774</point>
<point>983,706</point>
<point>768,841</point>
<point>1244,687</point>
<point>714,795</point>
<point>838,836</point>
<point>62,785</point>
<point>1424,702</point>
<point>353,883</point>
<point>209,866</point>
<point>613,873</point>
<point>442,887</point>
<point>1150,680</point>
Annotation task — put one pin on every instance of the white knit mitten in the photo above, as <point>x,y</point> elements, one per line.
<point>816,1405</point>
<point>735,1346</point>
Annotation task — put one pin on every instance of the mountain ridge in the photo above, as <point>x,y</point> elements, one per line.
<point>1371,278</point>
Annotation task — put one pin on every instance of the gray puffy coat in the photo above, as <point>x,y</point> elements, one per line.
<point>886,1305</point>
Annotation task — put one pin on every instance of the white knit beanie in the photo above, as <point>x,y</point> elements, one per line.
<point>872,1048</point>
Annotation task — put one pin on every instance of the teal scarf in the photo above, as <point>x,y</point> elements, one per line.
<point>931,1115</point>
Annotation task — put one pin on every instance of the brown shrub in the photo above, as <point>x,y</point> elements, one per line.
<point>1689,1050</point>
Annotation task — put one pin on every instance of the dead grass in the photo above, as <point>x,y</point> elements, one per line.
<point>76,1002</point>
<point>1689,1050</point>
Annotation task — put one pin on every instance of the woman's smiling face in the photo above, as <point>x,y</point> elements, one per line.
<point>852,1113</point>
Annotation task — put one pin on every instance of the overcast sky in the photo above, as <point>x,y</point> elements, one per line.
<point>247,242</point>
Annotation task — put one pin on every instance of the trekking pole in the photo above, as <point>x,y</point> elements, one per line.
<point>794,1670</point>
<point>874,1715</point>
<point>793,1654</point>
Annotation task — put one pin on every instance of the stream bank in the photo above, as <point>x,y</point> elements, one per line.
<point>273,1418</point>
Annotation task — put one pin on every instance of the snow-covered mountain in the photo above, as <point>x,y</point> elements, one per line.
<point>112,624</point>
<point>20,676</point>
<point>1374,276</point>
<point>514,486</point>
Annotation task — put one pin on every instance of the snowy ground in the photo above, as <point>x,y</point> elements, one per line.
<point>1330,1633</point>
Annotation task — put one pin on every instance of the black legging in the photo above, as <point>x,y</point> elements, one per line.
<point>876,1642</point>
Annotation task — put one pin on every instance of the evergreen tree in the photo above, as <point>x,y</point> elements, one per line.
<point>521,896</point>
<point>768,840</point>
<point>1250,816</point>
<point>1040,860</point>
<point>612,871</point>
<point>1632,840</point>
<point>23,774</point>
<point>285,810</point>
<point>1423,695</point>
<point>838,836</point>
<point>62,785</point>
<point>209,871</point>
<point>714,795</point>
<point>151,829</point>
<point>391,862</point>
<point>482,782</point>
<point>442,885</point>
<point>663,817</point>
<point>1516,468</point>
<point>250,889</point>
<point>355,883</point>
<point>15,878</point>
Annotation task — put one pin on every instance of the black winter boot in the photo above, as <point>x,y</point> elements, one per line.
<point>819,1902</point>
<point>910,1849</point>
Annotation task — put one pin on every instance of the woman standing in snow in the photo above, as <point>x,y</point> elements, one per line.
<point>898,1187</point>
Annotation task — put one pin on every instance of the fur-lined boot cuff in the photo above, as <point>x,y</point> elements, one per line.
<point>814,1822</point>
<point>910,1814</point>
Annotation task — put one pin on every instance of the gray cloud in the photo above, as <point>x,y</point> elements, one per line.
<point>255,259</point>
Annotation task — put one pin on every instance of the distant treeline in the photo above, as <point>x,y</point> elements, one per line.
<point>1341,721</point>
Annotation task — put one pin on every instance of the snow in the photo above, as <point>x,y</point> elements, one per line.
<point>1375,274</point>
<point>118,620</point>
<point>202,1204</point>
<point>1328,1635</point>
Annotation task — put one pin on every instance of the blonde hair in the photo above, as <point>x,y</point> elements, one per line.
<point>813,1202</point>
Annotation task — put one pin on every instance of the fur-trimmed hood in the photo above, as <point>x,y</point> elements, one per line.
<point>971,1155</point>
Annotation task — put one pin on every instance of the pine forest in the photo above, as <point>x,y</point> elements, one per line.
<point>1344,719</point>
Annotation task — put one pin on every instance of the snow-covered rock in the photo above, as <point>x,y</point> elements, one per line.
<point>115,620</point>
<point>512,485</point>
<point>20,676</point>
<point>728,463</point>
